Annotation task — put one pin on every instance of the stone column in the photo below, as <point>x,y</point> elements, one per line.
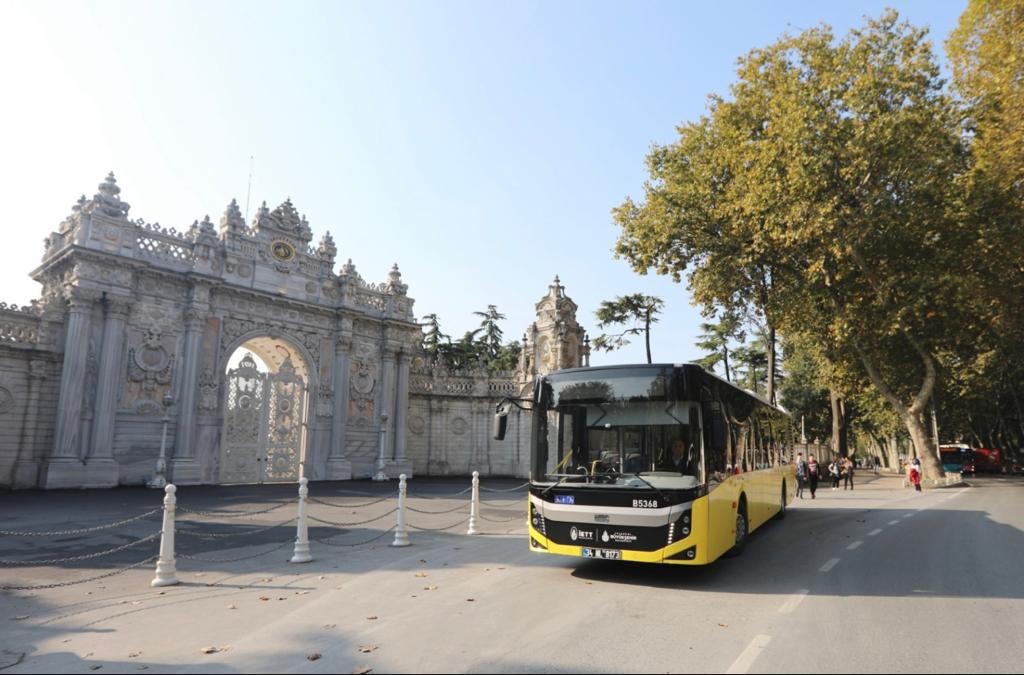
<point>26,468</point>
<point>338,465</point>
<point>387,405</point>
<point>101,468</point>
<point>64,467</point>
<point>402,463</point>
<point>184,469</point>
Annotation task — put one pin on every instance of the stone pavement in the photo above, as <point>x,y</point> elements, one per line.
<point>237,576</point>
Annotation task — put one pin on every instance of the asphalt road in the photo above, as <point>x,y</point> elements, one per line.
<point>879,579</point>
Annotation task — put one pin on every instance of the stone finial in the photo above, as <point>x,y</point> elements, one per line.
<point>556,288</point>
<point>82,201</point>
<point>232,220</point>
<point>327,250</point>
<point>107,198</point>
<point>395,284</point>
<point>348,269</point>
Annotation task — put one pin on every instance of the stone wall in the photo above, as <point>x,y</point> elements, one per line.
<point>29,377</point>
<point>450,424</point>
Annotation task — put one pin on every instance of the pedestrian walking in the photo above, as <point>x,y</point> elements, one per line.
<point>833,473</point>
<point>812,474</point>
<point>801,474</point>
<point>848,473</point>
<point>915,474</point>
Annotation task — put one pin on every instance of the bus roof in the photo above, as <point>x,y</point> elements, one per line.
<point>675,366</point>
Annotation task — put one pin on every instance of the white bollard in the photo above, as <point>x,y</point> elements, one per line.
<point>165,567</point>
<point>474,505</point>
<point>401,535</point>
<point>302,553</point>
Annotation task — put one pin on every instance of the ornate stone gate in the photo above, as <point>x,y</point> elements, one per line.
<point>264,435</point>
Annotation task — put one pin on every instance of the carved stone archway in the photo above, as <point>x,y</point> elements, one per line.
<point>266,414</point>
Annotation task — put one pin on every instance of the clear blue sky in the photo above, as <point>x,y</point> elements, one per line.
<point>480,145</point>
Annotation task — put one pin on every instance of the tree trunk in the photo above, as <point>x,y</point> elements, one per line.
<point>912,416</point>
<point>839,426</point>
<point>647,334</point>
<point>725,359</point>
<point>770,349</point>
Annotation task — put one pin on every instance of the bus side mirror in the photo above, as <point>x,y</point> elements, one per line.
<point>500,423</point>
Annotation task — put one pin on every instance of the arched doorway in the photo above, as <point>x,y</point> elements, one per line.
<point>266,413</point>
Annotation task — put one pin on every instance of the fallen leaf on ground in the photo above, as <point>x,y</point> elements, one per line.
<point>266,579</point>
<point>313,657</point>
<point>133,655</point>
<point>362,670</point>
<point>282,598</point>
<point>301,592</point>
<point>470,599</point>
<point>210,650</point>
<point>430,588</point>
<point>141,666</point>
<point>321,577</point>
<point>264,598</point>
<point>724,625</point>
<point>328,626</point>
<point>422,560</point>
<point>232,607</point>
<point>95,666</point>
<point>366,649</point>
<point>420,575</point>
<point>371,618</point>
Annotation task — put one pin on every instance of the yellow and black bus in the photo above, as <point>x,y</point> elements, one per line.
<point>652,463</point>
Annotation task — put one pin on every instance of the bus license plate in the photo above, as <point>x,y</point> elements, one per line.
<point>602,553</point>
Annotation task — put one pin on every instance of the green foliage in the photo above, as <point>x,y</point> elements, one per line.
<point>715,339</point>
<point>823,192</point>
<point>479,348</point>
<point>638,309</point>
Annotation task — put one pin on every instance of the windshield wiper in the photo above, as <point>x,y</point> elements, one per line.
<point>648,483</point>
<point>564,477</point>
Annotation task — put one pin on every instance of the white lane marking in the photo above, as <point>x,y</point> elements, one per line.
<point>829,565</point>
<point>794,601</point>
<point>750,654</point>
<point>854,545</point>
<point>894,522</point>
<point>910,515</point>
<point>874,532</point>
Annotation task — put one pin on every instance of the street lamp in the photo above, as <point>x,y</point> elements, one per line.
<point>381,475</point>
<point>159,480</point>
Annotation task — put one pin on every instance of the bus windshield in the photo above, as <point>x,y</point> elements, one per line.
<point>621,431</point>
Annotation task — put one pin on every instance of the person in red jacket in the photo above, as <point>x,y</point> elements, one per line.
<point>915,473</point>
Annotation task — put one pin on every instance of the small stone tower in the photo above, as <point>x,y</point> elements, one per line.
<point>555,340</point>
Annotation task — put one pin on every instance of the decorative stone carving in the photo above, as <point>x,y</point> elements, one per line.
<point>459,426</point>
<point>150,369</point>
<point>209,390</point>
<point>417,424</point>
<point>325,402</point>
<point>235,328</point>
<point>6,400</point>
<point>362,382</point>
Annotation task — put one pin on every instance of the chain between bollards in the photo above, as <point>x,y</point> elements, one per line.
<point>302,553</point>
<point>401,534</point>
<point>474,505</point>
<point>165,568</point>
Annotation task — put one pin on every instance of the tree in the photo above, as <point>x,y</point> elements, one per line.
<point>715,340</point>
<point>823,190</point>
<point>490,340</point>
<point>638,309</point>
<point>752,367</point>
<point>434,340</point>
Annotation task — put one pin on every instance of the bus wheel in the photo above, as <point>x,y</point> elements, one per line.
<point>782,504</point>
<point>741,530</point>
